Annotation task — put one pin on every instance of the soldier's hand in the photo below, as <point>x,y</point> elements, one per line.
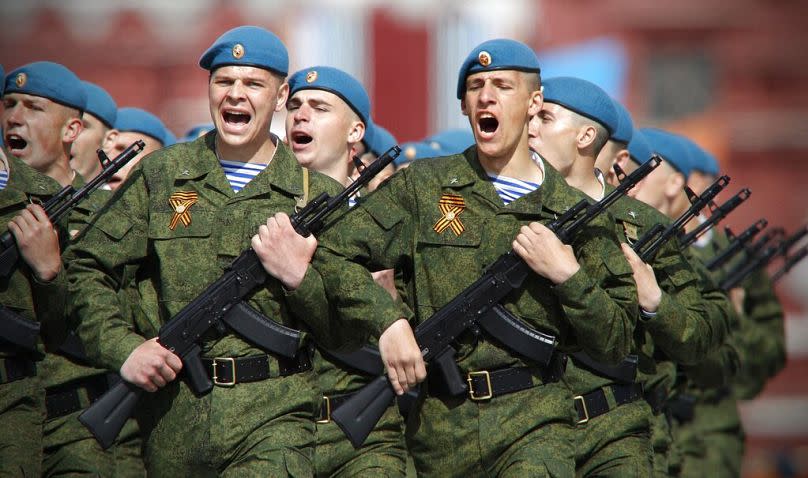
<point>38,242</point>
<point>737,295</point>
<point>386,279</point>
<point>401,356</point>
<point>283,252</point>
<point>648,291</point>
<point>545,253</point>
<point>151,366</point>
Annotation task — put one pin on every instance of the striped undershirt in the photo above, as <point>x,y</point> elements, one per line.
<point>510,189</point>
<point>3,179</point>
<point>239,174</point>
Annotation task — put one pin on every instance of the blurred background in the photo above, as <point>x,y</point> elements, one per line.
<point>731,75</point>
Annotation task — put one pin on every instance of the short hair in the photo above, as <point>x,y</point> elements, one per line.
<point>602,135</point>
<point>532,79</point>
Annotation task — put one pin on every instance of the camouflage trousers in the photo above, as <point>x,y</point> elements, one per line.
<point>617,443</point>
<point>22,413</point>
<point>383,453</point>
<point>70,449</point>
<point>520,434</point>
<point>712,444</point>
<point>662,444</point>
<point>263,428</point>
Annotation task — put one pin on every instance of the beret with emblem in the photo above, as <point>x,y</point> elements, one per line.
<point>702,160</point>
<point>671,147</point>
<point>48,80</point>
<point>100,104</point>
<point>639,149</point>
<point>452,141</point>
<point>625,126</point>
<point>499,54</point>
<point>2,79</point>
<point>247,46</point>
<point>141,121</point>
<point>582,97</point>
<point>418,150</point>
<point>334,81</point>
<point>378,140</point>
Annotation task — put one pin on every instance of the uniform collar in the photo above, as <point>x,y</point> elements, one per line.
<point>24,181</point>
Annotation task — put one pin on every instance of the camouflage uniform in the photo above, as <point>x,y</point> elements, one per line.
<point>516,434</point>
<point>686,326</point>
<point>71,385</point>
<point>22,401</point>
<point>262,428</point>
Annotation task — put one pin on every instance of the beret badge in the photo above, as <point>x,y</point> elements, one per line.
<point>238,51</point>
<point>311,76</point>
<point>484,58</point>
<point>21,79</point>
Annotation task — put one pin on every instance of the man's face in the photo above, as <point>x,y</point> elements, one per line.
<point>83,153</point>
<point>552,133</point>
<point>34,128</point>
<point>319,128</point>
<point>242,101</point>
<point>699,181</point>
<point>116,142</point>
<point>499,105</point>
<point>653,188</point>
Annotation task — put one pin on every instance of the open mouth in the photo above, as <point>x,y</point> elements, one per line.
<point>487,124</point>
<point>299,138</point>
<point>236,118</point>
<point>15,142</point>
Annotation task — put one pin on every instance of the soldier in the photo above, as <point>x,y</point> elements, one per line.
<point>97,121</point>
<point>180,220</point>
<point>442,221</point>
<point>615,151</point>
<point>131,125</point>
<point>41,118</point>
<point>70,383</point>
<point>378,141</point>
<point>328,111</point>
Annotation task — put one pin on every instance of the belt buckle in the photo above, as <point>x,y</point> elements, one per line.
<point>583,405</point>
<point>215,377</point>
<point>327,419</point>
<point>470,380</point>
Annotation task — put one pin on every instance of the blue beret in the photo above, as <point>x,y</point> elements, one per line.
<point>499,54</point>
<point>2,79</point>
<point>625,126</point>
<point>100,104</point>
<point>582,97</point>
<point>334,81</point>
<point>48,80</point>
<point>197,131</point>
<point>452,141</point>
<point>247,46</point>
<point>702,160</point>
<point>671,147</point>
<point>418,150</point>
<point>141,121</point>
<point>378,140</point>
<point>639,149</point>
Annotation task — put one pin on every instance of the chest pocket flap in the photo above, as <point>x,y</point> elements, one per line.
<point>199,225</point>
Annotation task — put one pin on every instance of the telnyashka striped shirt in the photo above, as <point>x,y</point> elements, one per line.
<point>510,189</point>
<point>3,179</point>
<point>239,174</point>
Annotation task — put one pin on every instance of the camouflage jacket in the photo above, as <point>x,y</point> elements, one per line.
<point>134,229</point>
<point>397,227</point>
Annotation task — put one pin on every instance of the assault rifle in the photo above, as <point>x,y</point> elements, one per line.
<point>717,215</point>
<point>738,244</point>
<point>478,305</point>
<point>761,259</point>
<point>64,201</point>
<point>659,234</point>
<point>220,305</point>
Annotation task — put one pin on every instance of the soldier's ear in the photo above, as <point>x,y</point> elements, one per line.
<point>109,140</point>
<point>356,132</point>
<point>283,95</point>
<point>71,130</point>
<point>536,103</point>
<point>463,106</point>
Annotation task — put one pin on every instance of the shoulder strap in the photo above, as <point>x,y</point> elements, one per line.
<point>301,202</point>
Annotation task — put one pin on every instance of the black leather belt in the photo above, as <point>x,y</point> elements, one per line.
<point>226,371</point>
<point>330,403</point>
<point>595,404</point>
<point>485,385</point>
<point>14,368</point>
<point>66,399</point>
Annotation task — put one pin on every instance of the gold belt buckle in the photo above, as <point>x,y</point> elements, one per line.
<point>327,419</point>
<point>583,405</point>
<point>470,380</point>
<point>215,377</point>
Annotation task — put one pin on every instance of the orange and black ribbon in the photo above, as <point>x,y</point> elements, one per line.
<point>182,201</point>
<point>451,205</point>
